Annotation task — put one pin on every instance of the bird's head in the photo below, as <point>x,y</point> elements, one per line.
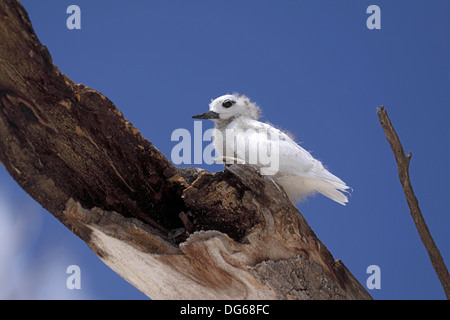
<point>230,106</point>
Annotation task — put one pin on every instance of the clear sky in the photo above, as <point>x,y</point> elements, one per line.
<point>314,68</point>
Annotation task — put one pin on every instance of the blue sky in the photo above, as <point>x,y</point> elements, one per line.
<point>314,68</point>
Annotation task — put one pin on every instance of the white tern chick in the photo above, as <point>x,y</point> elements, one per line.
<point>297,172</point>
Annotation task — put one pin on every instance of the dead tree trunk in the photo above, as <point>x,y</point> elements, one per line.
<point>172,233</point>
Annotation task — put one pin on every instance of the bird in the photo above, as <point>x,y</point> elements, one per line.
<point>240,137</point>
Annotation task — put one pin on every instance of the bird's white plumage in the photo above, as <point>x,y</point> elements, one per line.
<point>298,172</point>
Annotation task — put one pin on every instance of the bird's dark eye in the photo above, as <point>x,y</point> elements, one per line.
<point>228,103</point>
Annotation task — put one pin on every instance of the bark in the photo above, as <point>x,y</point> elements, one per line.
<point>173,233</point>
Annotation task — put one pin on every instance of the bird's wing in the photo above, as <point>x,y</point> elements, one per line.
<point>298,161</point>
<point>254,138</point>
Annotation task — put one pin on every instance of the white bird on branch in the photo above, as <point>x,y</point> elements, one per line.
<point>239,137</point>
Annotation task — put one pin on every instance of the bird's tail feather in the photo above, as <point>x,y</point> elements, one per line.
<point>331,189</point>
<point>331,186</point>
<point>298,188</point>
<point>334,193</point>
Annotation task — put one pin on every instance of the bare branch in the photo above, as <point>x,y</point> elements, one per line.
<point>403,172</point>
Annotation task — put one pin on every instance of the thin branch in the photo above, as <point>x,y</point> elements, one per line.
<point>403,172</point>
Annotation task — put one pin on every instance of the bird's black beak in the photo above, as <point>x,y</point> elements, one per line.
<point>207,115</point>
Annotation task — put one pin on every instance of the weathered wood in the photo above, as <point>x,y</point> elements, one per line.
<point>173,233</point>
<point>280,257</point>
<point>62,140</point>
